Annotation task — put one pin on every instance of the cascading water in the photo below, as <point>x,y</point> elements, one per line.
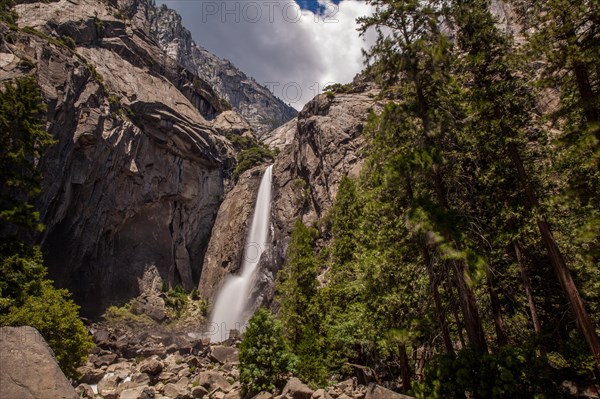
<point>232,300</point>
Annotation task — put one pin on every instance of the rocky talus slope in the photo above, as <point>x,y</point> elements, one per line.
<point>135,359</point>
<point>141,162</point>
<point>319,147</point>
<point>254,102</point>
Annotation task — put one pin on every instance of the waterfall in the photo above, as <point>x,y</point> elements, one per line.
<point>232,300</point>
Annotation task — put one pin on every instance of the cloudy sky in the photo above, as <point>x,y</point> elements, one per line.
<point>294,47</point>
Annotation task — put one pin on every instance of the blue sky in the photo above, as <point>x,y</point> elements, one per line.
<point>294,47</point>
<point>313,5</point>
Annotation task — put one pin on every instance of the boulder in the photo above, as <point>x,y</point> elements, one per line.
<point>375,391</point>
<point>84,391</point>
<point>212,380</point>
<point>108,385</point>
<point>224,354</point>
<point>151,366</point>
<point>296,389</point>
<point>364,375</point>
<point>321,394</point>
<point>103,360</point>
<point>199,392</point>
<point>90,375</point>
<point>175,391</point>
<point>264,395</point>
<point>234,394</point>
<point>132,393</point>
<point>29,368</point>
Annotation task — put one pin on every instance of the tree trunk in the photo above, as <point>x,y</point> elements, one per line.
<point>501,337</point>
<point>459,328</point>
<point>438,303</point>
<point>469,308</point>
<point>463,279</point>
<point>537,326</point>
<point>560,267</point>
<point>434,287</point>
<point>404,368</point>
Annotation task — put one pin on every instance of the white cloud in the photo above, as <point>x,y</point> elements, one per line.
<point>286,48</point>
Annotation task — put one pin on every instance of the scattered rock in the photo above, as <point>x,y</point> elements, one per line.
<point>364,375</point>
<point>264,395</point>
<point>84,391</point>
<point>151,366</point>
<point>297,389</point>
<point>224,354</point>
<point>212,380</point>
<point>29,368</point>
<point>375,391</point>
<point>233,394</point>
<point>199,391</point>
<point>174,391</point>
<point>132,393</point>
<point>90,375</point>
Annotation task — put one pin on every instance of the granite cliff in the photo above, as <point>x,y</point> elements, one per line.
<point>136,177</point>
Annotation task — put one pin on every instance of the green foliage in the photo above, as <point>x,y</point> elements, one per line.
<point>7,14</point>
<point>177,300</point>
<point>426,237</point>
<point>22,274</point>
<point>26,296</point>
<point>297,283</point>
<point>513,372</point>
<point>338,88</point>
<point>23,139</point>
<point>264,359</point>
<point>56,317</point>
<point>251,157</point>
<point>68,41</point>
<point>26,63</point>
<point>225,104</point>
<point>99,25</point>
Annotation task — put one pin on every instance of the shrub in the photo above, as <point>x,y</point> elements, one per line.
<point>68,41</point>
<point>250,158</point>
<point>513,372</point>
<point>56,317</point>
<point>26,63</point>
<point>264,358</point>
<point>7,14</point>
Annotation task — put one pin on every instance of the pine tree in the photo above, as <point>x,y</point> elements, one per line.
<point>297,285</point>
<point>504,107</point>
<point>27,297</point>
<point>264,358</point>
<point>416,51</point>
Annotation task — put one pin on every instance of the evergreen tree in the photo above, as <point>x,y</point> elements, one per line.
<point>264,358</point>
<point>416,52</point>
<point>297,285</point>
<point>27,297</point>
<point>503,106</point>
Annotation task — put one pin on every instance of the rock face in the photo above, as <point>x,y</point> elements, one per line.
<point>254,102</point>
<point>226,246</point>
<point>137,174</point>
<point>28,367</point>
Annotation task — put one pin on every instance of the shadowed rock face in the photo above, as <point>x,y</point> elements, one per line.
<point>137,174</point>
<point>29,369</point>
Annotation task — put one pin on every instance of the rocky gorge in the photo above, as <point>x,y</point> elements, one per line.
<point>383,260</point>
<point>141,161</point>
